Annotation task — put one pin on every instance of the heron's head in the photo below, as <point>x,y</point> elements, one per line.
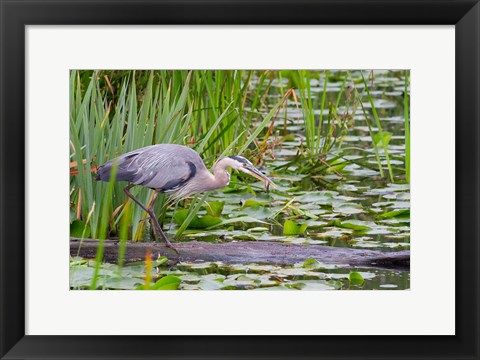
<point>241,164</point>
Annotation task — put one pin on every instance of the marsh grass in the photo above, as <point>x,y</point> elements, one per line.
<point>381,137</point>
<point>336,117</point>
<point>319,136</point>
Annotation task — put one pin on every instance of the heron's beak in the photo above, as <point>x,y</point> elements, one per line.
<point>251,170</point>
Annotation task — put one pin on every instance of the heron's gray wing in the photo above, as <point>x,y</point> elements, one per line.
<point>161,167</point>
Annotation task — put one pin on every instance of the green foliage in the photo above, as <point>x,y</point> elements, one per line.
<point>355,278</point>
<point>290,227</point>
<point>169,282</point>
<point>197,222</point>
<point>395,213</point>
<point>310,263</point>
<point>191,214</point>
<point>382,139</point>
<point>215,208</point>
<point>352,224</point>
<point>381,136</point>
<point>253,202</point>
<point>79,229</point>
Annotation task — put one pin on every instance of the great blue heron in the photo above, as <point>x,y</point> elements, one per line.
<point>175,170</point>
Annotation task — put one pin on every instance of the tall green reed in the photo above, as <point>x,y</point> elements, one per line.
<point>381,138</point>
<point>322,131</point>
<point>105,124</point>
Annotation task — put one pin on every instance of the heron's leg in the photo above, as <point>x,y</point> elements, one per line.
<point>129,194</point>
<point>157,229</point>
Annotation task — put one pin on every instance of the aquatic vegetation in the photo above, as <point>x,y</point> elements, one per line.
<point>336,144</point>
<point>310,275</point>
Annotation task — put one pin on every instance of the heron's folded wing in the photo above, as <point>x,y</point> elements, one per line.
<point>158,170</point>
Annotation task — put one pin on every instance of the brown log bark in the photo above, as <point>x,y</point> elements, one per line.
<point>263,252</point>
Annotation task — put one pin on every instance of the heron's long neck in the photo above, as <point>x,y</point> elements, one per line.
<point>220,177</point>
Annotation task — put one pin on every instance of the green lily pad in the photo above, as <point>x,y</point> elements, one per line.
<point>79,229</point>
<point>356,278</point>
<point>169,282</point>
<point>258,229</point>
<point>347,187</point>
<point>314,285</point>
<point>310,263</point>
<point>318,197</point>
<point>356,225</point>
<point>197,222</point>
<point>348,208</point>
<point>290,227</point>
<point>215,208</point>
<point>121,283</point>
<point>253,202</point>
<point>245,236</point>
<point>209,284</point>
<point>400,213</point>
<point>258,212</point>
<point>244,219</point>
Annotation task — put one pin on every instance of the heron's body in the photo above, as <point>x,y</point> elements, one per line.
<point>166,168</point>
<point>172,169</point>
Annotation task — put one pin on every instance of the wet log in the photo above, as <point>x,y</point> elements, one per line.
<point>260,252</point>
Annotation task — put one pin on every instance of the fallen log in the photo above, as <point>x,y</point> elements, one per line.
<point>260,252</point>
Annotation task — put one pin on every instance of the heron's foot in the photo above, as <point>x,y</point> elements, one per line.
<point>169,244</point>
<point>159,238</point>
<point>158,232</point>
<point>174,265</point>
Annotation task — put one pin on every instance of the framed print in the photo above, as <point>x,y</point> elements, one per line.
<point>320,122</point>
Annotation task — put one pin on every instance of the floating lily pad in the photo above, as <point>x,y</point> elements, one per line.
<point>310,263</point>
<point>292,228</point>
<point>169,282</point>
<point>393,204</point>
<point>253,202</point>
<point>198,222</point>
<point>315,285</point>
<point>79,229</point>
<point>348,208</point>
<point>347,187</point>
<point>355,278</point>
<point>257,229</point>
<point>215,208</point>
<point>241,219</point>
<point>395,213</point>
<point>318,197</point>
<point>258,212</point>
<point>356,225</point>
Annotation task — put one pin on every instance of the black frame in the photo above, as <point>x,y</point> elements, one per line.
<point>15,15</point>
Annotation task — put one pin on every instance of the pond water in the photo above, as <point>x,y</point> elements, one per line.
<point>348,205</point>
